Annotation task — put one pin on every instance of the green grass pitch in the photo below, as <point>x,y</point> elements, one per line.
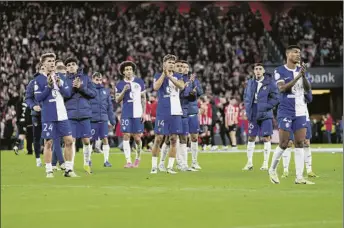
<point>219,196</point>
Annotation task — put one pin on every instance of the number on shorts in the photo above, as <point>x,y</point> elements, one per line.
<point>50,127</point>
<point>125,122</point>
<point>161,123</point>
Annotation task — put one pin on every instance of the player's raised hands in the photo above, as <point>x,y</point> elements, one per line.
<point>166,73</point>
<point>50,81</point>
<point>126,87</point>
<point>77,83</point>
<point>58,80</point>
<point>193,77</point>
<point>303,69</point>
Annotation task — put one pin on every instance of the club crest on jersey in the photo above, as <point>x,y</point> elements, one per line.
<point>264,88</point>
<point>54,93</point>
<point>168,90</point>
<point>104,92</point>
<point>277,75</point>
<point>251,126</point>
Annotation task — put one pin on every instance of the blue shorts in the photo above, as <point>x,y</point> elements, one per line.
<point>261,128</point>
<point>185,123</point>
<point>56,129</point>
<point>81,128</point>
<point>132,125</point>
<point>168,125</point>
<point>292,124</point>
<point>194,124</point>
<point>308,133</point>
<point>99,130</point>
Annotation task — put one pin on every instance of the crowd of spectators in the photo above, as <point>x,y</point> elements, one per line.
<point>319,35</point>
<point>101,35</point>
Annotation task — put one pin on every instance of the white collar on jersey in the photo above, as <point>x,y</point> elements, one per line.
<point>289,68</point>
<point>132,79</point>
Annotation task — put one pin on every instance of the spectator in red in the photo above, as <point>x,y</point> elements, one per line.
<point>148,135</point>
<point>153,106</point>
<point>243,123</point>
<point>328,121</point>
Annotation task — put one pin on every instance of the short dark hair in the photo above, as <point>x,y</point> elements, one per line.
<point>169,57</point>
<point>125,64</point>
<point>293,47</point>
<point>96,75</point>
<point>47,55</point>
<point>70,60</point>
<point>257,64</point>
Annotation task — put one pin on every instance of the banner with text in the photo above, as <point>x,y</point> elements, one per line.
<point>322,77</point>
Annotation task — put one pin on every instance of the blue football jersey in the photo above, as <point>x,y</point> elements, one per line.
<point>184,97</point>
<point>51,99</point>
<point>292,103</point>
<point>132,103</point>
<point>168,97</point>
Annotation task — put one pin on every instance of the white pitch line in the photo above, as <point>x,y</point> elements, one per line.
<point>185,189</point>
<point>297,224</point>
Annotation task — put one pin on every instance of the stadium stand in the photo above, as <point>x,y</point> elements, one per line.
<point>219,40</point>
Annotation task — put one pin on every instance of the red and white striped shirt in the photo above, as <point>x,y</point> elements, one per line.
<point>206,114</point>
<point>232,115</point>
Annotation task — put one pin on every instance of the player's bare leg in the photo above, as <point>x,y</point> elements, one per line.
<point>106,151</point>
<point>283,144</point>
<point>286,159</point>
<point>300,137</point>
<point>155,153</point>
<point>250,150</point>
<point>48,144</point>
<point>194,152</point>
<point>164,150</point>
<point>267,150</point>
<point>308,158</point>
<point>87,154</point>
<point>127,150</point>
<point>68,153</point>
<point>172,154</point>
<point>73,151</point>
<point>138,142</point>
